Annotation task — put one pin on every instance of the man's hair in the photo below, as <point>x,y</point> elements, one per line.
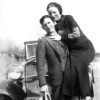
<point>54,4</point>
<point>43,17</point>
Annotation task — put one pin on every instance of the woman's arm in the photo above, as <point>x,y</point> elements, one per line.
<point>75,33</point>
<point>73,27</point>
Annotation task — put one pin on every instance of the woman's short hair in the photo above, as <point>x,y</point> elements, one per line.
<point>54,4</point>
<point>43,17</point>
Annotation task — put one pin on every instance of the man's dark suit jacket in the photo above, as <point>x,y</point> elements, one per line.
<point>49,50</point>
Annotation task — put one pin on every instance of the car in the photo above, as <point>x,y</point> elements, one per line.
<point>22,79</point>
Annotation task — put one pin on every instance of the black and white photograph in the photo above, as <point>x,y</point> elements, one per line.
<point>49,50</point>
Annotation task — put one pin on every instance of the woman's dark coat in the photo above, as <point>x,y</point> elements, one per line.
<point>81,53</point>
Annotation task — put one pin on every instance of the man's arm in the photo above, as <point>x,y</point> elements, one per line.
<point>40,58</point>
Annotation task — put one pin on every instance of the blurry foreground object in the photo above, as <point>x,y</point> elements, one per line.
<point>15,72</point>
<point>4,97</point>
<point>10,90</point>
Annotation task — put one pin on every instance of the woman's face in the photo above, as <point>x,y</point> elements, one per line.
<point>54,12</point>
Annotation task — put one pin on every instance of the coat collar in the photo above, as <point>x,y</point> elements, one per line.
<point>61,19</point>
<point>51,43</point>
<point>54,45</point>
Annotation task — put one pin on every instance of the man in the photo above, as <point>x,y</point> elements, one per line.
<point>55,54</point>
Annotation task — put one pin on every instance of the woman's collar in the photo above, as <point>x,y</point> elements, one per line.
<point>62,17</point>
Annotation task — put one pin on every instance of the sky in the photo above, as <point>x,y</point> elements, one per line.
<point>19,19</point>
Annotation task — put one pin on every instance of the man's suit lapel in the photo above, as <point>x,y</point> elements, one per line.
<point>53,45</point>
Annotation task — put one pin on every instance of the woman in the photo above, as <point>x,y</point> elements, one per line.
<point>81,53</point>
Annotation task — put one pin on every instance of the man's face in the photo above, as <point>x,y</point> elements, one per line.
<point>54,12</point>
<point>48,25</point>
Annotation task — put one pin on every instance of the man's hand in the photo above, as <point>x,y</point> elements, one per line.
<point>44,88</point>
